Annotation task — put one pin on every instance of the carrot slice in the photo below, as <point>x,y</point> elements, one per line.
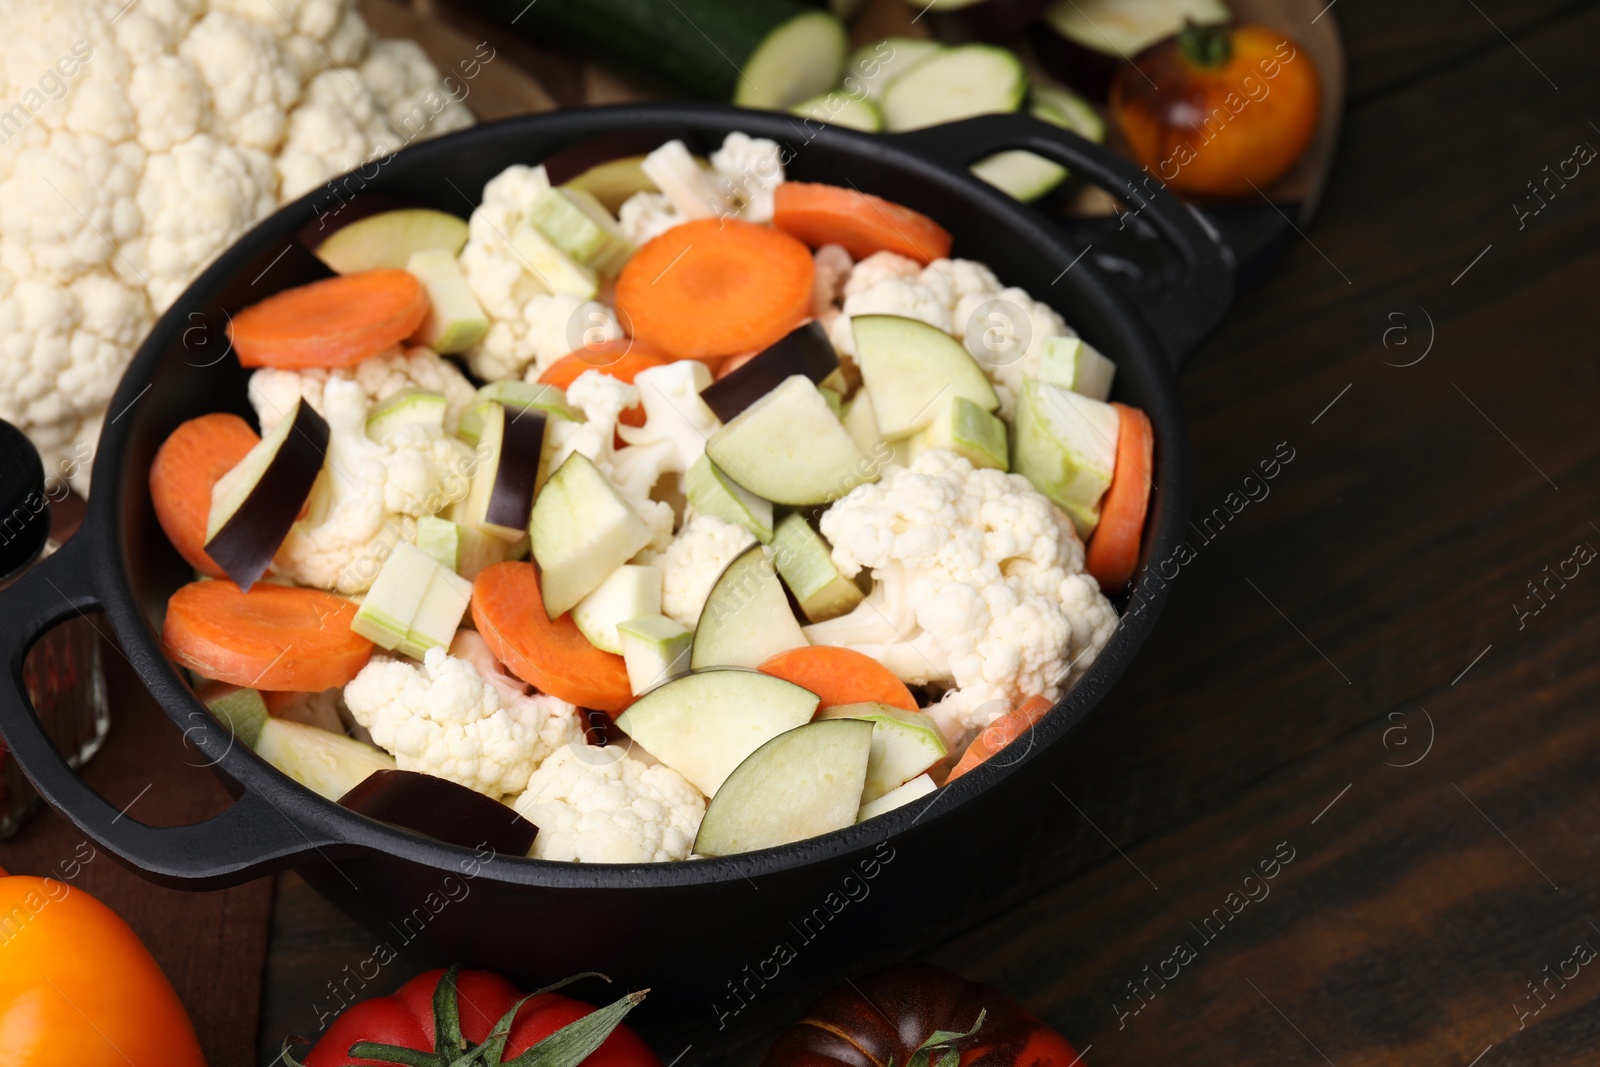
<point>186,466</point>
<point>839,676</point>
<point>552,655</point>
<point>833,215</point>
<point>620,359</point>
<point>1000,733</point>
<point>337,322</point>
<point>715,287</point>
<point>732,363</point>
<point>1113,551</point>
<point>275,637</point>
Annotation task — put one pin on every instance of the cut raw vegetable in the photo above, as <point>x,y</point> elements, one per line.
<point>554,269</point>
<point>862,426</point>
<point>444,605</point>
<point>835,401</point>
<point>837,108</point>
<point>241,710</point>
<point>441,809</point>
<point>800,784</point>
<point>916,789</point>
<point>455,320</point>
<point>910,369</point>
<point>566,166</point>
<point>904,744</point>
<point>746,620</point>
<point>789,448</point>
<point>1069,111</point>
<point>509,447</point>
<point>805,563</point>
<point>629,592</point>
<point>192,459</point>
<point>549,654</point>
<point>800,58</point>
<point>515,395</point>
<point>440,539</point>
<point>967,430</point>
<point>1027,176</point>
<point>711,492</point>
<point>385,615</point>
<point>580,226</point>
<point>1000,733</point>
<point>656,650</point>
<point>328,764</point>
<point>613,182</point>
<point>716,287</point>
<point>840,676</point>
<point>862,223</point>
<point>1093,37</point>
<point>685,183</point>
<point>582,530</point>
<point>255,503</point>
<point>1066,445</point>
<point>873,66</point>
<point>1072,363</point>
<point>389,239</point>
<point>804,350</point>
<point>953,84</point>
<point>704,724</point>
<point>1114,549</point>
<point>405,408</point>
<point>621,359</point>
<point>275,637</point>
<point>962,21</point>
<point>335,322</point>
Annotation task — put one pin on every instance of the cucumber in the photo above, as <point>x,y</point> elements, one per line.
<point>1027,176</point>
<point>656,650</point>
<point>628,592</point>
<point>1069,111</point>
<point>837,108</point>
<point>873,66</point>
<point>746,620</point>
<point>581,227</point>
<point>789,448</point>
<point>806,565</point>
<point>582,530</point>
<point>405,408</point>
<point>328,764</point>
<point>911,368</point>
<point>1119,29</point>
<point>455,319</point>
<point>711,492</point>
<point>757,53</point>
<point>955,83</point>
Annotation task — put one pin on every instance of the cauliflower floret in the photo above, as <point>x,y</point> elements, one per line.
<point>601,805</point>
<point>273,391</point>
<point>691,564</point>
<point>886,283</point>
<point>750,169</point>
<point>832,266</point>
<point>953,279</point>
<point>677,426</point>
<point>980,584</point>
<point>337,127</point>
<point>1011,317</point>
<point>253,83</point>
<point>442,717</point>
<point>646,216</point>
<point>368,494</point>
<point>879,267</point>
<point>407,86</point>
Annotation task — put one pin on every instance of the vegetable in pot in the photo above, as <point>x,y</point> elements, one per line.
<point>1218,110</point>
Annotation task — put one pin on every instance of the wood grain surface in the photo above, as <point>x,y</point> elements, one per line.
<point>1343,675</point>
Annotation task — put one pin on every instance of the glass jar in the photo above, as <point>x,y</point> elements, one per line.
<point>63,671</point>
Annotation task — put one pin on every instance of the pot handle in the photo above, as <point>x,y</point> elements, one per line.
<point>1191,298</point>
<point>252,837</point>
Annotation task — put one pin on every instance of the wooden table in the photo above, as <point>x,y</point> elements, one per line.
<point>1342,675</point>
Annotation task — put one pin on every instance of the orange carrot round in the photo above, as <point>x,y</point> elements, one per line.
<point>715,287</point>
<point>188,463</point>
<point>552,655</point>
<point>275,637</point>
<point>1000,733</point>
<point>732,363</point>
<point>1113,550</point>
<point>833,215</point>
<point>337,322</point>
<point>840,676</point>
<point>621,359</point>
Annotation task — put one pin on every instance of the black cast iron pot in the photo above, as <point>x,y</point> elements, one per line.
<point>713,932</point>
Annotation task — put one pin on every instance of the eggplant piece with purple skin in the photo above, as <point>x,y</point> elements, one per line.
<point>441,809</point>
<point>516,468</point>
<point>986,21</point>
<point>804,350</point>
<point>255,503</point>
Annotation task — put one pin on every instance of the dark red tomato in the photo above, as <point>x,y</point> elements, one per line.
<point>890,1013</point>
<point>406,1019</point>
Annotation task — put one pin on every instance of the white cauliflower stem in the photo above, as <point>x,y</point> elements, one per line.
<point>442,717</point>
<point>600,805</point>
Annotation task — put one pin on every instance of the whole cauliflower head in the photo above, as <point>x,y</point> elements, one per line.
<point>601,805</point>
<point>137,141</point>
<point>442,717</point>
<point>983,584</point>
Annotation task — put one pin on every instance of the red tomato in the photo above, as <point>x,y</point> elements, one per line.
<point>406,1019</point>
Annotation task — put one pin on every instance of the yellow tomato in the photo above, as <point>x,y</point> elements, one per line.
<point>77,987</point>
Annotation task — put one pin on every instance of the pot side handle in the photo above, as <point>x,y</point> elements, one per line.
<point>1190,304</point>
<point>251,838</point>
